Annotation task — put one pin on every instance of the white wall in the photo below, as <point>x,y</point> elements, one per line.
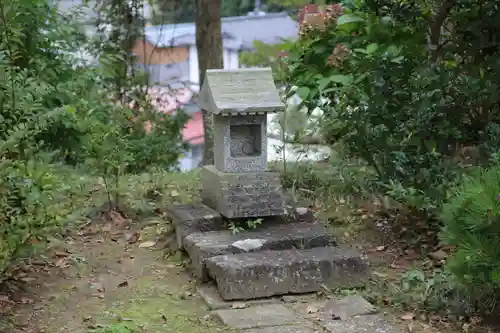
<point>230,57</point>
<point>194,71</point>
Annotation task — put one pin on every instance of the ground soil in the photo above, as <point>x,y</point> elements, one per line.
<point>105,278</point>
<point>112,273</point>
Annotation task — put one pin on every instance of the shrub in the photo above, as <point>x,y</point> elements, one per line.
<point>52,111</point>
<point>403,107</point>
<point>472,226</point>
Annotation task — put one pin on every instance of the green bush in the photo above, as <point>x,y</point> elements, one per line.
<point>393,101</point>
<point>54,110</point>
<point>472,226</point>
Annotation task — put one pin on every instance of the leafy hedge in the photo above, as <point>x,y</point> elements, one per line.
<point>409,109</point>
<point>411,89</point>
<point>56,110</point>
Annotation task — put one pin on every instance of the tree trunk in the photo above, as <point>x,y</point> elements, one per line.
<point>209,45</point>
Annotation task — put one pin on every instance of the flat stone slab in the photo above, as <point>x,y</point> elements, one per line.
<point>334,309</point>
<point>203,245</point>
<point>194,218</point>
<point>269,273</point>
<point>283,329</point>
<point>258,317</point>
<point>348,307</point>
<point>361,324</point>
<point>211,296</point>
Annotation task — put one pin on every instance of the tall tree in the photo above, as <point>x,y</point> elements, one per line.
<point>209,45</point>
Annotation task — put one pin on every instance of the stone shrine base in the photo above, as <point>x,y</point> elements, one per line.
<point>245,194</point>
<point>258,280</point>
<point>284,255</point>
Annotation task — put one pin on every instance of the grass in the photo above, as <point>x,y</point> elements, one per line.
<point>159,296</point>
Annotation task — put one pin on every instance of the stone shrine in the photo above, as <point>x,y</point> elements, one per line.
<point>239,184</point>
<point>291,252</point>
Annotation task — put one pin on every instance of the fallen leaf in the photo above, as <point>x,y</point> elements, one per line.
<point>408,316</point>
<point>380,248</point>
<point>62,262</point>
<point>61,254</point>
<point>147,244</point>
<point>91,230</point>
<point>118,219</point>
<point>28,279</point>
<point>26,300</point>
<point>238,305</point>
<point>132,237</point>
<point>438,255</point>
<point>35,241</point>
<point>123,284</point>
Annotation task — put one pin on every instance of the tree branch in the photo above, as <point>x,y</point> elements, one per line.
<point>437,23</point>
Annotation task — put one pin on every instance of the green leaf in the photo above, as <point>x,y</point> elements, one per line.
<point>360,51</point>
<point>348,18</point>
<point>303,92</point>
<point>362,77</point>
<point>323,83</point>
<point>372,48</point>
<point>398,60</point>
<point>342,79</point>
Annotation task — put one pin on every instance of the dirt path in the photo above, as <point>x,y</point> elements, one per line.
<point>102,281</point>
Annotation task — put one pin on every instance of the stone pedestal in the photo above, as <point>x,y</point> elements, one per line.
<point>242,194</point>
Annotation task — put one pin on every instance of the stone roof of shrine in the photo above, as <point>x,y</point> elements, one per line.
<point>240,91</point>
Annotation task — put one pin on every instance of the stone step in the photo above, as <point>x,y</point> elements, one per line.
<point>203,245</point>
<point>253,275</point>
<point>194,218</point>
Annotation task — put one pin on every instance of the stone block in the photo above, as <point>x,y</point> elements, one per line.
<point>334,309</point>
<point>361,324</point>
<point>270,273</point>
<point>209,293</point>
<point>284,329</point>
<point>257,317</point>
<point>192,218</point>
<point>242,195</point>
<point>203,245</point>
<point>348,307</point>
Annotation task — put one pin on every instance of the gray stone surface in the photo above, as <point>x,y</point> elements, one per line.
<point>334,309</point>
<point>193,218</point>
<point>269,273</point>
<point>284,329</point>
<point>258,317</point>
<point>239,100</point>
<point>209,293</point>
<point>361,324</point>
<point>240,143</point>
<point>203,245</point>
<point>244,194</point>
<point>239,91</point>
<point>348,307</point>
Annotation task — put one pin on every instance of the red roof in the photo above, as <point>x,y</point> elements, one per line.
<point>193,131</point>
